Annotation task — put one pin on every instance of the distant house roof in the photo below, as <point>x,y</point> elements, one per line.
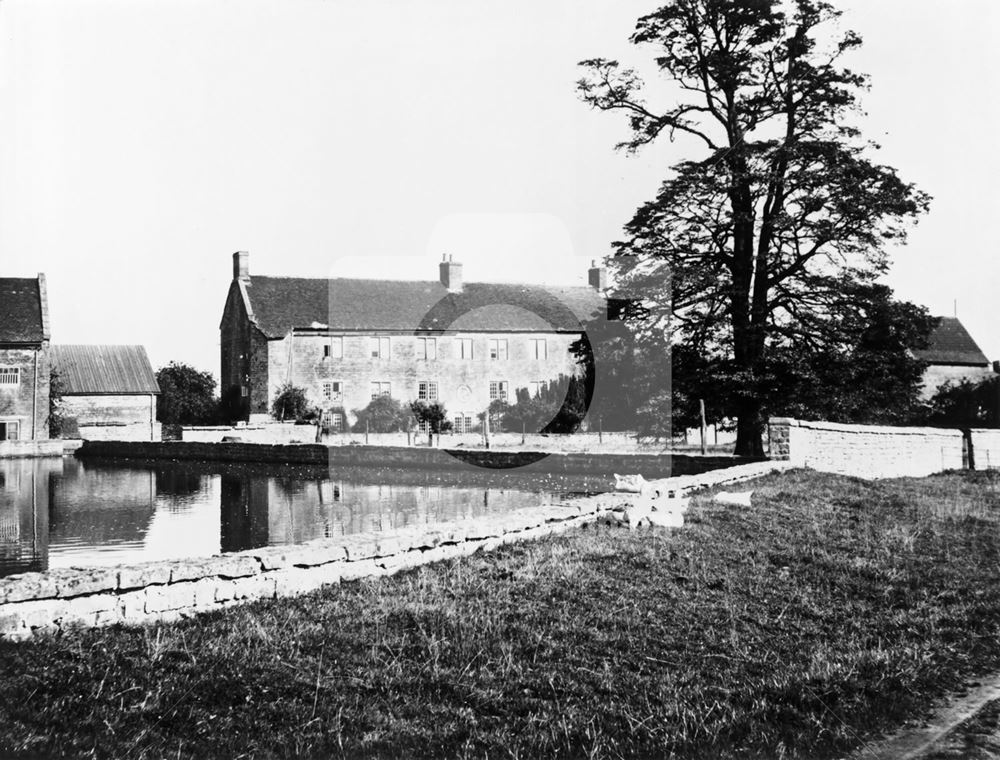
<point>950,343</point>
<point>279,304</point>
<point>23,311</point>
<point>104,370</point>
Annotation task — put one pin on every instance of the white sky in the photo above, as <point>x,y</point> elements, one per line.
<point>142,142</point>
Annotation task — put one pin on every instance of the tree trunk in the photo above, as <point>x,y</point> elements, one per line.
<point>749,429</point>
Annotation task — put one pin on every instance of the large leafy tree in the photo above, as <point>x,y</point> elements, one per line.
<point>187,396</point>
<point>764,242</point>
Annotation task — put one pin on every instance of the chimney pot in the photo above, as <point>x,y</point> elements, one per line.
<point>597,277</point>
<point>241,265</point>
<point>451,274</point>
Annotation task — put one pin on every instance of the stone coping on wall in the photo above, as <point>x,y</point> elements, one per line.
<point>873,429</point>
<point>64,599</point>
<point>42,448</point>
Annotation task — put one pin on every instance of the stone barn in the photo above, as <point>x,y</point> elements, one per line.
<point>108,391</point>
<point>952,356</point>
<point>347,341</point>
<point>24,359</point>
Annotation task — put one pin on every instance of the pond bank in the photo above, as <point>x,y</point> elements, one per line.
<point>157,591</point>
<point>648,465</point>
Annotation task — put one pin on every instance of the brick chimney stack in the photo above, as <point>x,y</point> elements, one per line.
<point>241,266</point>
<point>597,277</point>
<point>451,273</point>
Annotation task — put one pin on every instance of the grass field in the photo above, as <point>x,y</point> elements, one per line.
<point>830,611</point>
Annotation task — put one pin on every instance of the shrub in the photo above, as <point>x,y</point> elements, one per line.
<point>383,414</point>
<point>291,403</point>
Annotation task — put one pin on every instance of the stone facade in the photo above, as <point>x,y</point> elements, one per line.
<point>937,375</point>
<point>867,451</point>
<point>462,384</point>
<point>343,347</point>
<point>126,417</point>
<point>24,404</point>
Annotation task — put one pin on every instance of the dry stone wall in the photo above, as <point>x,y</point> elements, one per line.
<point>61,600</point>
<point>866,451</point>
<point>986,448</point>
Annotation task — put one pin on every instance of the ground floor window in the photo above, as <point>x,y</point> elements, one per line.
<point>381,389</point>
<point>10,430</point>
<point>333,421</point>
<point>10,376</point>
<point>463,422</point>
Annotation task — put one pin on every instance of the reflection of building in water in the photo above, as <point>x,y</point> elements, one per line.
<point>107,506</point>
<point>24,513</point>
<point>262,510</point>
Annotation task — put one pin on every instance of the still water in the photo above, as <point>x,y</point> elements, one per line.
<point>67,512</point>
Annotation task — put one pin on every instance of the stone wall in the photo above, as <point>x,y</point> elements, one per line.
<point>127,417</point>
<point>17,449</point>
<point>27,403</point>
<point>161,591</point>
<point>291,433</point>
<point>867,451</point>
<point>649,465</point>
<point>986,448</point>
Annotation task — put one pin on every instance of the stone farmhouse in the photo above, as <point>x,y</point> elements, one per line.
<point>24,359</point>
<point>109,391</point>
<point>347,341</point>
<point>952,355</point>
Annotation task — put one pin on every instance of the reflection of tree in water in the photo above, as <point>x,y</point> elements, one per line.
<point>178,481</point>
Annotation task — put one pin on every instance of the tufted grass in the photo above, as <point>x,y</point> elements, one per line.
<point>832,610</point>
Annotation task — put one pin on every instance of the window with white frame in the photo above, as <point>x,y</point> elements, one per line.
<point>244,391</point>
<point>10,376</point>
<point>336,348</point>
<point>335,421</point>
<point>381,389</point>
<point>463,422</point>
<point>535,387</point>
<point>498,390</point>
<point>498,348</point>
<point>333,391</point>
<point>424,426</point>
<point>380,347</point>
<point>427,348</point>
<point>9,430</point>
<point>427,390</point>
<point>538,348</point>
<point>465,348</point>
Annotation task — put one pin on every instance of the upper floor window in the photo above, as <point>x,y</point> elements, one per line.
<point>10,376</point>
<point>427,391</point>
<point>498,348</point>
<point>381,389</point>
<point>498,390</point>
<point>538,348</point>
<point>465,348</point>
<point>380,347</point>
<point>427,348</point>
<point>333,391</point>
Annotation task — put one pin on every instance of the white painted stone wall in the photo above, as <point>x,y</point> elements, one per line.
<point>986,449</point>
<point>866,451</point>
<point>60,600</point>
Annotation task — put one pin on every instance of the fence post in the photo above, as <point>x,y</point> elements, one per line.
<point>366,432</point>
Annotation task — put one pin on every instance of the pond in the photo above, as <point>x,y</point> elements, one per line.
<point>67,512</point>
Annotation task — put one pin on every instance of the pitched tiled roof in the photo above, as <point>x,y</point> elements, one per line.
<point>21,308</point>
<point>104,369</point>
<point>950,343</point>
<point>281,303</point>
